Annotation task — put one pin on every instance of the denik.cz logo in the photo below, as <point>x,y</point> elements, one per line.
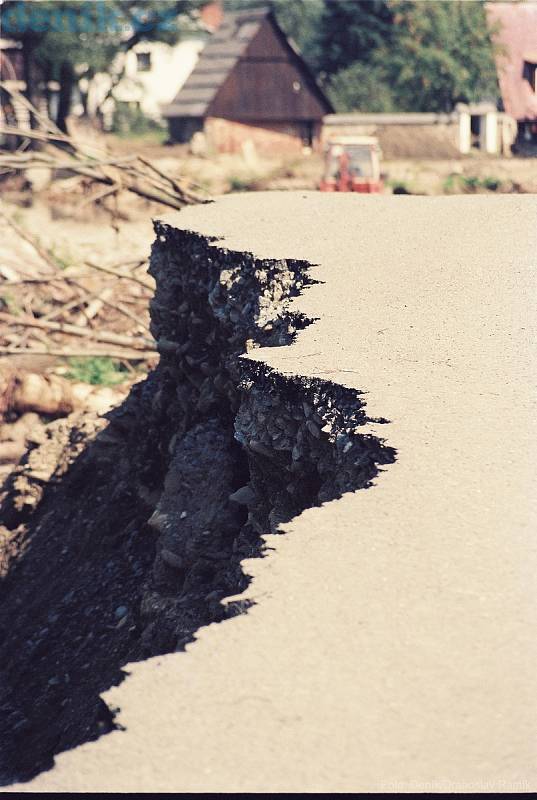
<point>97,16</point>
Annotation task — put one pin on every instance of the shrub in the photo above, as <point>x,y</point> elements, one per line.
<point>96,370</point>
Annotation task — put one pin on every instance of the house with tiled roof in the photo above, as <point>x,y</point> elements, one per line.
<point>514,28</point>
<point>250,84</point>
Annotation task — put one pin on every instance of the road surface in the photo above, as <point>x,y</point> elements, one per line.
<point>392,645</point>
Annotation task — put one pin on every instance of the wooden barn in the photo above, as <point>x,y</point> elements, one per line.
<point>249,84</point>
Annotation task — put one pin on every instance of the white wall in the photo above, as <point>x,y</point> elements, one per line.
<point>170,67</point>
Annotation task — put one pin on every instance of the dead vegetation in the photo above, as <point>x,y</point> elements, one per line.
<point>67,322</point>
<point>131,173</point>
<point>84,309</point>
<point>89,308</point>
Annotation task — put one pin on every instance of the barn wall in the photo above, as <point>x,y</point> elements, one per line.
<point>268,83</point>
<point>269,138</point>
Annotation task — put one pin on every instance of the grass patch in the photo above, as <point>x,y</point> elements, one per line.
<point>470,184</point>
<point>492,184</point>
<point>240,184</point>
<point>156,136</point>
<point>131,123</point>
<point>96,370</point>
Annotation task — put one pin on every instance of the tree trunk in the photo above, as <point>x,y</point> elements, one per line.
<point>6,103</point>
<point>28,72</point>
<point>47,77</point>
<point>67,82</point>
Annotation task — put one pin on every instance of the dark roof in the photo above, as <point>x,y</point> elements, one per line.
<point>517,35</point>
<point>217,59</point>
<point>220,56</point>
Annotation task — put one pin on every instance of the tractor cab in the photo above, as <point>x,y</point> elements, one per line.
<point>352,164</point>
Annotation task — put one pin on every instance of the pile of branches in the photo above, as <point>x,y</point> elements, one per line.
<point>49,311</point>
<point>85,310</point>
<point>90,309</point>
<point>113,174</point>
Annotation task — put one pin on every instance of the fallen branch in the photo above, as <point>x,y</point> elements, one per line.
<point>118,274</point>
<point>24,392</point>
<point>106,337</point>
<point>57,305</point>
<point>98,196</point>
<point>134,264</point>
<point>47,123</point>
<point>132,173</point>
<point>63,278</point>
<point>118,307</point>
<point>44,394</point>
<point>39,249</point>
<point>38,160</point>
<point>63,308</point>
<point>69,352</point>
<point>49,259</point>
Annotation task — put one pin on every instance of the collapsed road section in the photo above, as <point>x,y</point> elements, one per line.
<point>125,538</point>
<point>388,643</point>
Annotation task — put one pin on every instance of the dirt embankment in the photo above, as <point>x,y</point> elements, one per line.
<point>122,535</point>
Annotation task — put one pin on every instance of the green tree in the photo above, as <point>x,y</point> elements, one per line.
<point>59,36</point>
<point>362,87</point>
<point>352,31</point>
<point>406,56</point>
<point>443,54</point>
<point>301,20</point>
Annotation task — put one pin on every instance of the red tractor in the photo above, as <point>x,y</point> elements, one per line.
<point>352,165</point>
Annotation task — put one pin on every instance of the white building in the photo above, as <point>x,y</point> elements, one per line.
<point>153,73</point>
<point>150,74</point>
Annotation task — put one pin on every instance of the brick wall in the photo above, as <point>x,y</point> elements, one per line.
<point>229,136</point>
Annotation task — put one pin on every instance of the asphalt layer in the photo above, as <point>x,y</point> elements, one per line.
<point>392,645</point>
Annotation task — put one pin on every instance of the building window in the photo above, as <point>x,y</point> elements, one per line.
<point>530,74</point>
<point>143,62</point>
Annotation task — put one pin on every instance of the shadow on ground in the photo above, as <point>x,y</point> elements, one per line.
<point>127,545</point>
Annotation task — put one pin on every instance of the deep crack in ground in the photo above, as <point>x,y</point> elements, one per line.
<point>139,534</point>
